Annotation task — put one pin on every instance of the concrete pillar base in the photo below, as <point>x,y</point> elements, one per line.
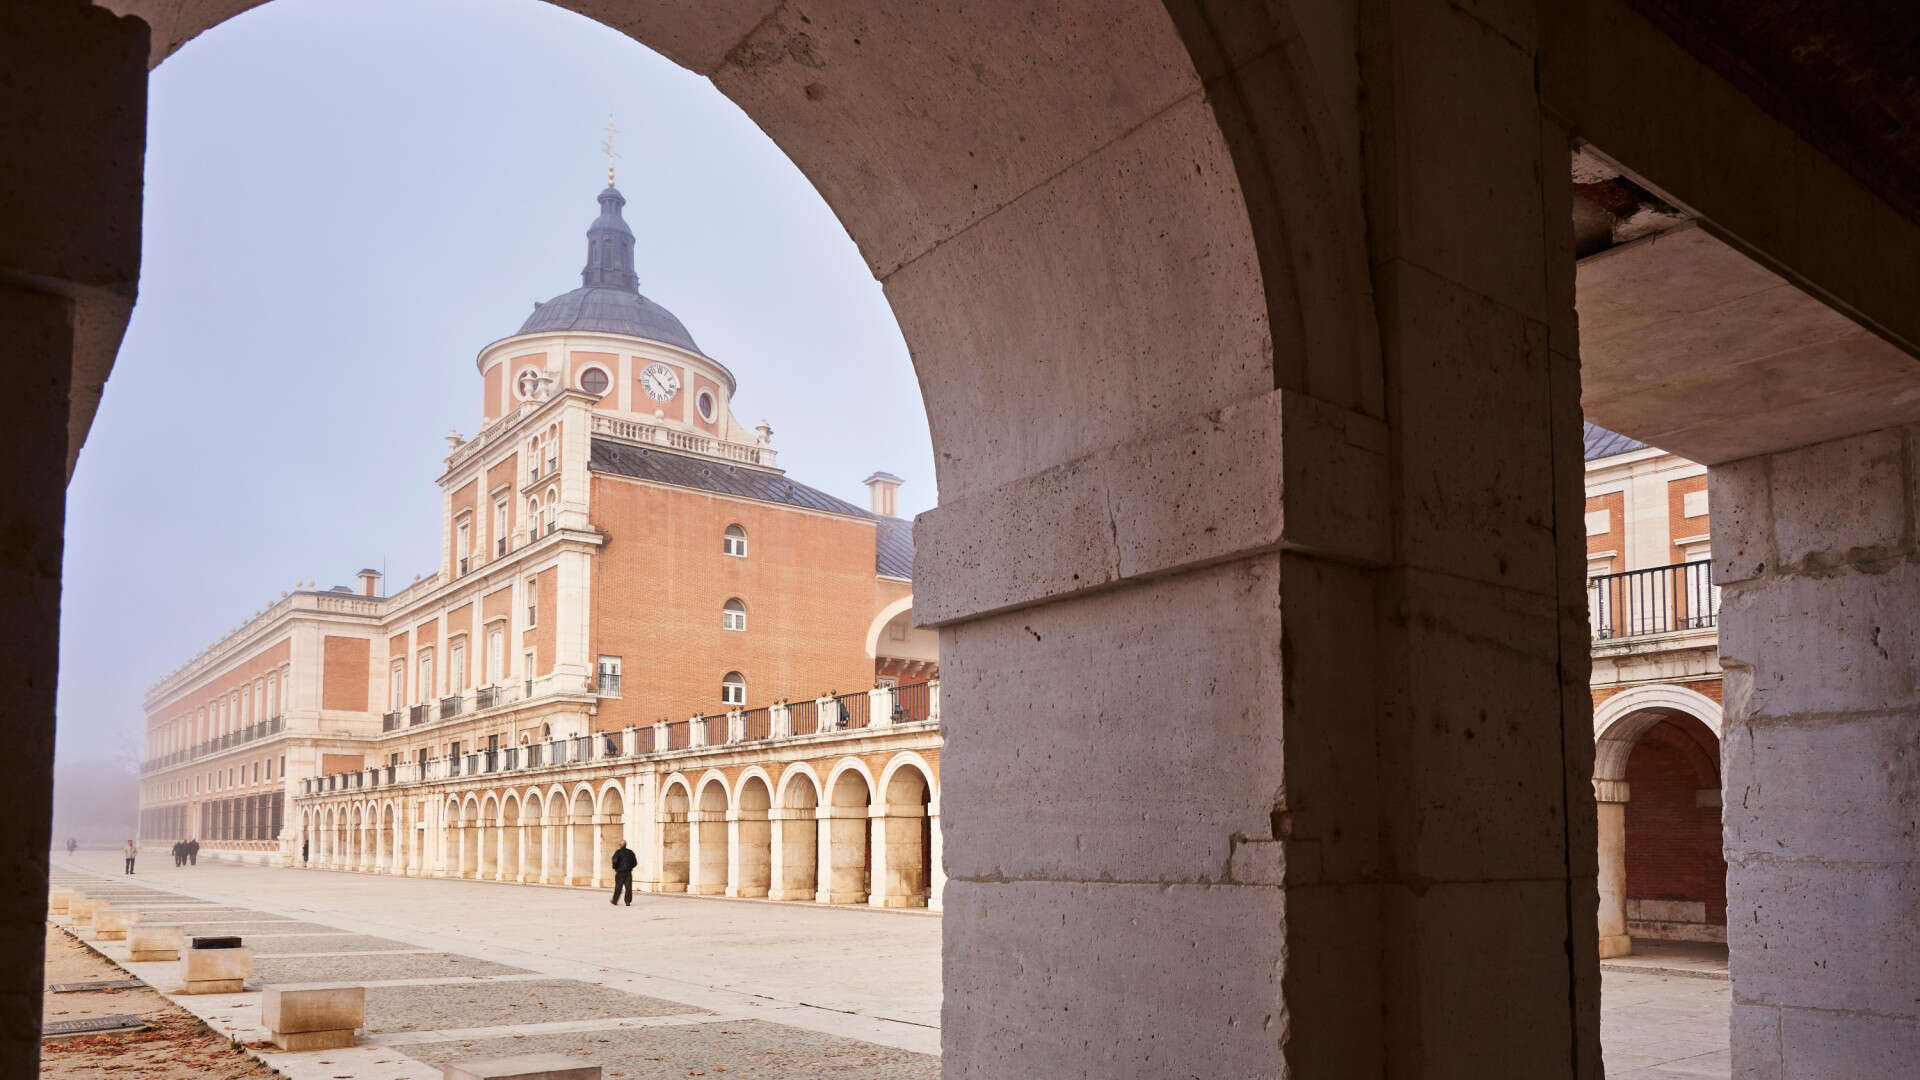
<point>1615,945</point>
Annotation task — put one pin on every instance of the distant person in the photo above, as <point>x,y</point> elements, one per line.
<point>72,845</point>
<point>132,850</point>
<point>179,853</point>
<point>623,864</point>
<point>303,851</point>
<point>193,853</point>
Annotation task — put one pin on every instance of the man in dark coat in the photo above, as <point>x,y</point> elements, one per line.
<point>193,853</point>
<point>623,864</point>
<point>179,853</point>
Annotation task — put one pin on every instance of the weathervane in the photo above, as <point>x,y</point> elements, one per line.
<point>608,147</point>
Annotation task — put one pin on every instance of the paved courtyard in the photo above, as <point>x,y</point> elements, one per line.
<point>673,986</point>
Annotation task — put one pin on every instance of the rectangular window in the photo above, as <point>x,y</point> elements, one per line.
<point>496,657</point>
<point>533,602</point>
<point>269,768</point>
<point>609,676</point>
<point>500,528</point>
<point>397,693</point>
<point>464,547</point>
<point>457,669</point>
<point>526,672</point>
<point>426,677</point>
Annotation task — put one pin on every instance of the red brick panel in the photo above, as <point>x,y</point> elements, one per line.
<point>1673,846</point>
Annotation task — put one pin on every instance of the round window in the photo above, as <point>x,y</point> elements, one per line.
<point>594,380</point>
<point>705,403</point>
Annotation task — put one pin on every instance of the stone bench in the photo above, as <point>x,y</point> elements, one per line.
<point>111,925</point>
<point>221,970</point>
<point>312,1016</point>
<point>58,899</point>
<point>528,1067</point>
<point>146,943</point>
<point>81,911</point>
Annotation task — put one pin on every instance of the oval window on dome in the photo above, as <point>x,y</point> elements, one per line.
<point>594,380</point>
<point>705,404</point>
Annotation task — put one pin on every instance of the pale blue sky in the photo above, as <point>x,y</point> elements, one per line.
<point>345,200</point>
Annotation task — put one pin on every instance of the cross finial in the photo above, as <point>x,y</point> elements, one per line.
<point>607,146</point>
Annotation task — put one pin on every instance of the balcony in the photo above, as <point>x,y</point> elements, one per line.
<point>487,697</point>
<point>500,548</point>
<point>450,707</point>
<point>419,714</point>
<point>1660,600</point>
<point>390,721</point>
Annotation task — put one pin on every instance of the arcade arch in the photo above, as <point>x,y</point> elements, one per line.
<point>1660,861</point>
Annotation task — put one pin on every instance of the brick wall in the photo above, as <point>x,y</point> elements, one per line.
<point>1673,846</point>
<point>343,673</point>
<point>662,578</point>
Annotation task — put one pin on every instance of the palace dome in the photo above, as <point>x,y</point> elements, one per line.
<point>608,300</point>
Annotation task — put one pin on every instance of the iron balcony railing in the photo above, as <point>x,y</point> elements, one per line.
<point>1660,600</point>
<point>450,707</point>
<point>486,697</point>
<point>419,714</point>
<point>390,721</point>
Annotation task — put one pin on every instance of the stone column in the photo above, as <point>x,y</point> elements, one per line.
<point>937,871</point>
<point>547,852</point>
<point>1611,797</point>
<point>1289,665</point>
<point>1815,553</point>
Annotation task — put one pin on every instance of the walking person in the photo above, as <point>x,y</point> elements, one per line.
<point>132,850</point>
<point>193,853</point>
<point>623,864</point>
<point>72,845</point>
<point>303,851</point>
<point>179,852</point>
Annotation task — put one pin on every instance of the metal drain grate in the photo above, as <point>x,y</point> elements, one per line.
<point>103,984</point>
<point>97,1025</point>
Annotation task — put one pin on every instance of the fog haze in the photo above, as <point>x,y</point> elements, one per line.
<point>345,201</point>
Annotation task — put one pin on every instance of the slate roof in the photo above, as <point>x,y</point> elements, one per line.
<point>893,546</point>
<point>1603,443</point>
<point>609,311</point>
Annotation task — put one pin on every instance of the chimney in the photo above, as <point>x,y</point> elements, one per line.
<point>370,583</point>
<point>881,490</point>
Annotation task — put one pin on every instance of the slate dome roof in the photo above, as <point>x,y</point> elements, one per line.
<point>609,311</point>
<point>608,300</point>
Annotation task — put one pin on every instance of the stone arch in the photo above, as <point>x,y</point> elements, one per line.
<point>847,834</point>
<point>512,867</point>
<point>750,835</point>
<point>796,835</point>
<point>1037,209</point>
<point>1621,719</point>
<point>385,850</point>
<point>710,851</point>
<point>880,621</point>
<point>673,834</point>
<point>1622,723</point>
<point>905,856</point>
<point>582,865</point>
<point>488,837</point>
<point>533,844</point>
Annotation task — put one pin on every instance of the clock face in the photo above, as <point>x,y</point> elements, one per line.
<point>659,381</point>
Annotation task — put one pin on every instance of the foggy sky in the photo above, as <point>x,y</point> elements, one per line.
<point>346,200</point>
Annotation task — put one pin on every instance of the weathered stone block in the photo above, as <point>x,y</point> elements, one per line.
<point>1840,497</point>
<point>111,925</point>
<point>1816,934</point>
<point>217,971</point>
<point>525,1067</point>
<point>1826,644</point>
<point>146,943</point>
<point>58,899</point>
<point>1839,789</point>
<point>81,911</point>
<point>312,1016</point>
<point>1737,504</point>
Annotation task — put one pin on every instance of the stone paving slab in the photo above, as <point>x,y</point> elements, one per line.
<point>186,914</point>
<point>734,1049</point>
<point>483,1004</point>
<point>297,944</point>
<point>350,968</point>
<point>249,931</point>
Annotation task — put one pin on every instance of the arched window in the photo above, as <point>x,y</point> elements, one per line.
<point>736,541</point>
<point>533,519</point>
<point>734,615</point>
<point>553,508</point>
<point>733,689</point>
